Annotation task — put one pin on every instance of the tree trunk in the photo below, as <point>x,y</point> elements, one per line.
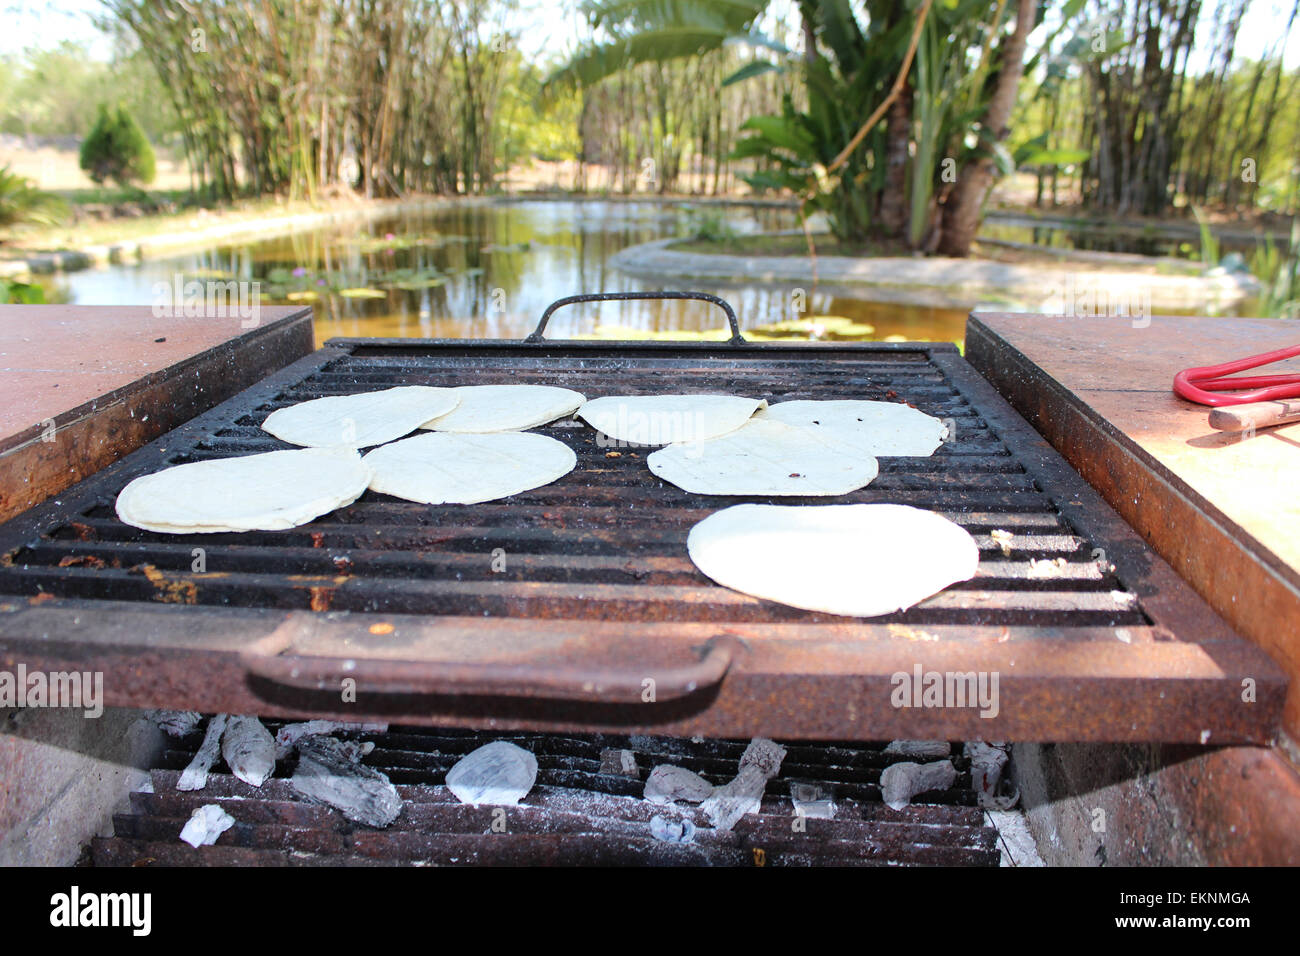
<point>898,134</point>
<point>961,213</point>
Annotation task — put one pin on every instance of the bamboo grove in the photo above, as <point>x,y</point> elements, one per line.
<point>1126,106</point>
<point>397,96</point>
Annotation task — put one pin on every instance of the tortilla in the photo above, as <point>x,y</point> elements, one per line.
<point>441,468</point>
<point>890,428</point>
<point>506,408</point>
<point>267,492</point>
<point>664,419</point>
<point>362,420</point>
<point>855,560</point>
<point>768,458</point>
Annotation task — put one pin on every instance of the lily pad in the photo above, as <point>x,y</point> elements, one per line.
<point>362,293</point>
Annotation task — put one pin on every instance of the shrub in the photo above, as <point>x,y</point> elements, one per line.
<point>117,149</point>
<point>21,202</point>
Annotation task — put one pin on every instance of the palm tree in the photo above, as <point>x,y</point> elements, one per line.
<point>919,171</point>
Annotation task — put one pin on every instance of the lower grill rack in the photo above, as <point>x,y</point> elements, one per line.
<point>575,814</point>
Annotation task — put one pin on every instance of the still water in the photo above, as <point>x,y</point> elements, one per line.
<point>488,270</point>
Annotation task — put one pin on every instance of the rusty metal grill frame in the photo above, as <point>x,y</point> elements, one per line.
<point>573,653</point>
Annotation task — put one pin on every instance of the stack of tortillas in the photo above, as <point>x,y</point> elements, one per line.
<point>858,560</point>
<point>283,489</point>
<point>480,451</point>
<point>724,445</point>
<point>268,492</point>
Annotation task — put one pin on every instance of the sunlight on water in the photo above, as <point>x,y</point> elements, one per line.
<point>488,270</point>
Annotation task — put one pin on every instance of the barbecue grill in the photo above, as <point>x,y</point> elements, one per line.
<point>575,608</point>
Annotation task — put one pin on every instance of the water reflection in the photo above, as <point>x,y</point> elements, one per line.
<point>489,269</point>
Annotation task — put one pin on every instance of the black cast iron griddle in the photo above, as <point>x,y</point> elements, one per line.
<point>575,606</point>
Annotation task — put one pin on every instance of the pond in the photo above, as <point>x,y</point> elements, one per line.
<point>488,270</point>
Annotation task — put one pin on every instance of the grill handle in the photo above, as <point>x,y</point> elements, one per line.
<point>736,338</point>
<point>496,679</point>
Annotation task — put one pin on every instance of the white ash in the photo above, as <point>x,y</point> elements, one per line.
<point>1003,540</point>
<point>497,774</point>
<point>672,831</point>
<point>195,776</point>
<point>987,764</point>
<point>206,824</point>
<point>900,782</point>
<point>812,800</point>
<point>764,754</point>
<point>329,772</point>
<point>620,763</point>
<point>287,737</point>
<point>249,750</point>
<point>668,783</point>
<point>174,723</point>
<point>1047,567</point>
<point>919,748</point>
<point>742,795</point>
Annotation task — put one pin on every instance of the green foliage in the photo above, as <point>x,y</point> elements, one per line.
<point>116,149</point>
<point>653,31</point>
<point>21,202</point>
<point>856,70</point>
<point>1281,276</point>
<point>1209,244</point>
<point>706,224</point>
<point>13,292</point>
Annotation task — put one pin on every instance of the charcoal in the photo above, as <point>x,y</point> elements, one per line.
<point>672,831</point>
<point>287,737</point>
<point>987,763</point>
<point>900,782</point>
<point>249,750</point>
<point>328,772</point>
<point>668,783</point>
<point>174,723</point>
<point>195,776</point>
<point>742,795</point>
<point>919,748</point>
<point>206,824</point>
<point>620,763</point>
<point>812,800</point>
<point>497,774</point>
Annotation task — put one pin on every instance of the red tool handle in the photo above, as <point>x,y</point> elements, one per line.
<point>1201,384</point>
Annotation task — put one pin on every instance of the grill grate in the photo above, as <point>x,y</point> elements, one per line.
<point>609,538</point>
<point>554,610</point>
<point>574,815</point>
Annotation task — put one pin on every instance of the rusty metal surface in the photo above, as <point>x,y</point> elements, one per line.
<point>1252,587</point>
<point>577,814</point>
<point>598,595</point>
<point>50,456</point>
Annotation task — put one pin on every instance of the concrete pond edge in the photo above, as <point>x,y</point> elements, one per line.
<point>957,283</point>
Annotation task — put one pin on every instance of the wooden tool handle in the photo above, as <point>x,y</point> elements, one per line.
<point>1236,418</point>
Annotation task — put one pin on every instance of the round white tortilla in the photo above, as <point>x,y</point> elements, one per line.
<point>768,458</point>
<point>362,420</point>
<point>441,468</point>
<point>506,408</point>
<point>267,492</point>
<point>855,560</point>
<point>665,419</point>
<point>890,428</point>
